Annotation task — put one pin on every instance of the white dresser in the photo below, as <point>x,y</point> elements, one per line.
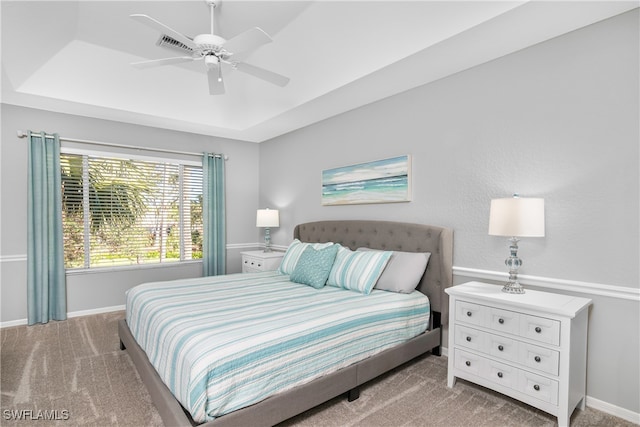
<point>255,261</point>
<point>531,346</point>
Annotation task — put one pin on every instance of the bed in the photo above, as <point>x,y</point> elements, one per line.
<point>380,235</point>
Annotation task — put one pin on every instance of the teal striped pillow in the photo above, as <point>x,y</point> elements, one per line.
<point>295,249</point>
<point>314,266</point>
<point>357,271</point>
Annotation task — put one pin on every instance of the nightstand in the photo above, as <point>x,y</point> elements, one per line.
<point>256,261</point>
<point>531,346</point>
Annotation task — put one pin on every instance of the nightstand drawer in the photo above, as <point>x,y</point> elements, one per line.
<point>470,313</point>
<point>540,329</point>
<point>251,264</point>
<point>257,261</point>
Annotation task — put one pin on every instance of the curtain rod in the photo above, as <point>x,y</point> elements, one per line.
<point>23,134</point>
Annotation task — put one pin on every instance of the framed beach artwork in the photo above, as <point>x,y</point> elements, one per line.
<point>379,181</point>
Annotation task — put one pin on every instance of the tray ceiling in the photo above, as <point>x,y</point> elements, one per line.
<point>74,56</point>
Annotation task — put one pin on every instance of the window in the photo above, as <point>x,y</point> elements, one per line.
<point>118,212</point>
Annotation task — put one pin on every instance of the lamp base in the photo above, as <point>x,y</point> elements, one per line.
<point>513,288</point>
<point>513,262</point>
<point>267,240</point>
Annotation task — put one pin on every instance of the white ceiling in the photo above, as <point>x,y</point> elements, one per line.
<point>74,56</point>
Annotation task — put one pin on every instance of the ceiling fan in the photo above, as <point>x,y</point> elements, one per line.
<point>213,50</point>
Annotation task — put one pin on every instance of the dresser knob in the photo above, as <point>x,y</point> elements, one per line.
<point>499,374</point>
<point>467,363</point>
<point>468,314</point>
<point>500,347</point>
<point>468,339</point>
<point>501,320</point>
<point>537,359</point>
<point>536,387</point>
<point>538,329</point>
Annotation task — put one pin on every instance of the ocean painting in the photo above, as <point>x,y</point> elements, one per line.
<point>380,181</point>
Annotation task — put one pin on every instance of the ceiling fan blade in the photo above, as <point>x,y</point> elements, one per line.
<point>160,62</point>
<point>216,84</point>
<point>261,73</point>
<point>163,29</point>
<point>247,41</point>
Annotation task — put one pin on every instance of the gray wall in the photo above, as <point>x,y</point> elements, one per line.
<point>96,290</point>
<point>558,120</point>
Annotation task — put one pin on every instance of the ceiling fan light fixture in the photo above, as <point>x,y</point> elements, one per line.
<point>211,60</point>
<point>213,50</point>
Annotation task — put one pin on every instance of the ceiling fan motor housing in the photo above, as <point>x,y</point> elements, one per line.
<point>209,43</point>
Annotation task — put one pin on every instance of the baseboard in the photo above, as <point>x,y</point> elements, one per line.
<point>625,414</point>
<point>70,315</point>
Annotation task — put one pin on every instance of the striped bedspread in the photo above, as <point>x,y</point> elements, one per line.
<point>222,343</point>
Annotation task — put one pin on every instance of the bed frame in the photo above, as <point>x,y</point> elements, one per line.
<point>385,235</point>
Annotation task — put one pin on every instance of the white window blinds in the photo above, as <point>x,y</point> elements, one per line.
<point>119,212</point>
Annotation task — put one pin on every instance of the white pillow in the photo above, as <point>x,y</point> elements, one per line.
<point>403,272</point>
<point>295,249</point>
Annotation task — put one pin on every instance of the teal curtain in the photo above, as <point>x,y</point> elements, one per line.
<point>46,287</point>
<point>214,245</point>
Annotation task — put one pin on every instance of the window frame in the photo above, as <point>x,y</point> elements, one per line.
<point>129,154</point>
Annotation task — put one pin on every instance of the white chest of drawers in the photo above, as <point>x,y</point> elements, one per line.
<point>531,346</point>
<point>256,261</point>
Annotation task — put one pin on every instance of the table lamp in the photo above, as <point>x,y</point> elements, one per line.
<point>516,217</point>
<point>267,218</point>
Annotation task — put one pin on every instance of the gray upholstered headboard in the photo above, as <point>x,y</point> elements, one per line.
<point>397,236</point>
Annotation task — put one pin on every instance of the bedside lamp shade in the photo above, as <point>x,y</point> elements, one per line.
<point>267,218</point>
<point>516,217</point>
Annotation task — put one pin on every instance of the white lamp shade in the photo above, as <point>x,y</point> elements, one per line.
<point>517,217</point>
<point>268,218</point>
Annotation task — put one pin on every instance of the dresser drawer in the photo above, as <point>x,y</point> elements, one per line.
<point>500,373</point>
<point>540,329</point>
<point>502,347</point>
<point>539,387</point>
<point>468,362</point>
<point>542,359</point>
<point>470,338</point>
<point>491,370</point>
<point>504,321</point>
<point>470,313</point>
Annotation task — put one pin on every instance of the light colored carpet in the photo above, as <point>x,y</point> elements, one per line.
<point>74,369</point>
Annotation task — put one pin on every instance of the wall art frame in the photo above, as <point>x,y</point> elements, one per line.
<point>378,181</point>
